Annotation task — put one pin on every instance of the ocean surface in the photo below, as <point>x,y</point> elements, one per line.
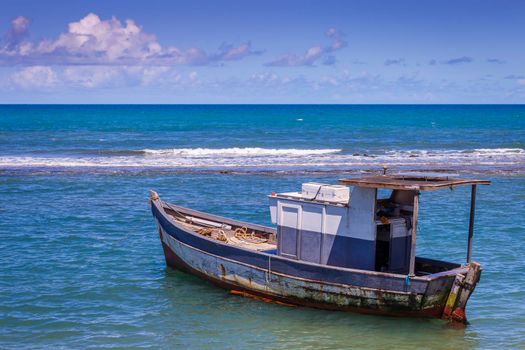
<point>81,265</point>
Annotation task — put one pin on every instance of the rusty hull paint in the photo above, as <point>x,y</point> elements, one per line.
<point>251,280</point>
<point>437,292</point>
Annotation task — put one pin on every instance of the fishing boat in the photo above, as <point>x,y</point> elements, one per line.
<point>338,247</point>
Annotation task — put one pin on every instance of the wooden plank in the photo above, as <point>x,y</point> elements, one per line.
<point>414,236</point>
<point>452,297</point>
<point>470,282</point>
<point>467,287</point>
<point>410,183</point>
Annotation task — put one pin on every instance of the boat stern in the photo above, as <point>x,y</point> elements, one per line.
<point>462,289</point>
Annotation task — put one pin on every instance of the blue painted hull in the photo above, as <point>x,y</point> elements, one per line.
<point>300,283</point>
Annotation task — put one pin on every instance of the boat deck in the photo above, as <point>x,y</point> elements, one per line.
<point>239,237</point>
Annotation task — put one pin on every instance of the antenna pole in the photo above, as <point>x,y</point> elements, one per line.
<point>471,222</point>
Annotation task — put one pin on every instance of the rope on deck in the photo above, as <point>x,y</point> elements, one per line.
<point>241,233</point>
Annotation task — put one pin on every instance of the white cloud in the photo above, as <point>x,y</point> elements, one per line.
<point>232,53</point>
<point>264,78</point>
<point>17,33</point>
<point>157,75</point>
<point>92,41</point>
<point>91,77</point>
<point>272,80</point>
<point>313,53</point>
<point>337,37</point>
<point>35,77</point>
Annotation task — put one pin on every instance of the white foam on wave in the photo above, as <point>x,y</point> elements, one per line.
<point>481,153</point>
<point>278,158</point>
<point>239,152</point>
<point>499,151</point>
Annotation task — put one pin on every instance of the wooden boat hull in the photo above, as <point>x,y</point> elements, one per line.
<point>280,279</point>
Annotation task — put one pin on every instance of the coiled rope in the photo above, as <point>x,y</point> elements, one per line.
<point>241,233</point>
<point>208,232</point>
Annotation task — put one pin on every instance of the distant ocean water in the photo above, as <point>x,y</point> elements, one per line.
<point>81,265</point>
<point>261,138</point>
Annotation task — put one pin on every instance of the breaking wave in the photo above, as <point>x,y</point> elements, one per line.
<point>277,159</point>
<point>478,153</point>
<point>239,152</point>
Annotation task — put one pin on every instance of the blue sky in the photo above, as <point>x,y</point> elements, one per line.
<point>262,51</point>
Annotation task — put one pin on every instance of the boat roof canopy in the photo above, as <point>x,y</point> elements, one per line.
<point>410,182</point>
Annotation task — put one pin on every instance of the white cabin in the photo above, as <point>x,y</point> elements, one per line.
<point>326,224</point>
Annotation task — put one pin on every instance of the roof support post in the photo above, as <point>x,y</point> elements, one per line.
<point>415,213</point>
<point>471,222</point>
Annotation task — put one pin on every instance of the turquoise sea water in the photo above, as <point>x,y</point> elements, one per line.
<point>81,265</point>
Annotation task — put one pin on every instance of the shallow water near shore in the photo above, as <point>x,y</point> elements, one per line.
<point>82,265</point>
